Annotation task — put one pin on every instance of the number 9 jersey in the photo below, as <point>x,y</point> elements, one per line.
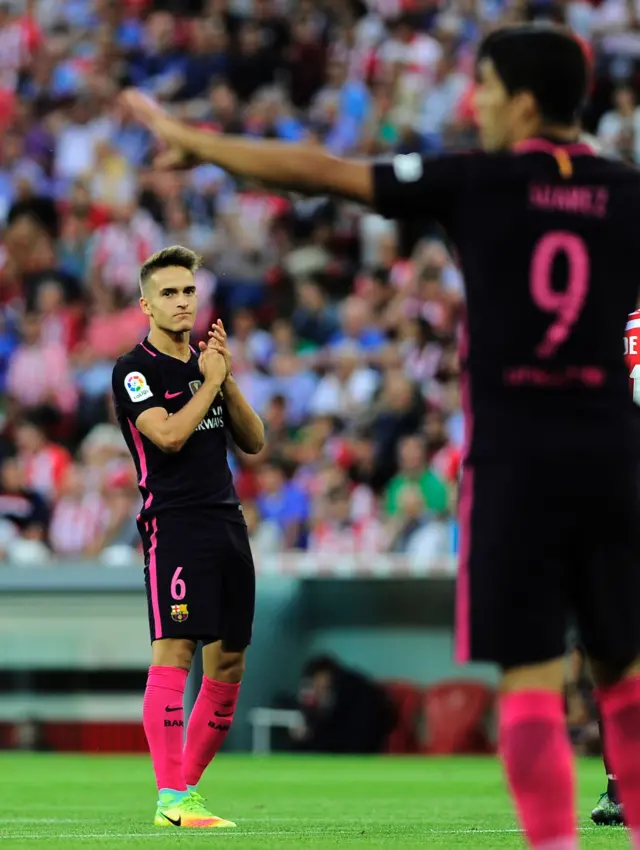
<point>546,235</point>
<point>632,353</point>
<point>547,242</point>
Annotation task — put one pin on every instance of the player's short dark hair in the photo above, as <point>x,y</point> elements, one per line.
<point>167,258</point>
<point>546,60</point>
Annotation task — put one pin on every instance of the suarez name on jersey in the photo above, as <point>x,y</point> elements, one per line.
<point>197,478</point>
<point>547,240</point>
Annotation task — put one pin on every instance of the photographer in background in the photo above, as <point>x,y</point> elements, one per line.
<point>343,710</point>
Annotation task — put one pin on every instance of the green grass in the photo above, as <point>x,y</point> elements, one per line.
<point>282,802</point>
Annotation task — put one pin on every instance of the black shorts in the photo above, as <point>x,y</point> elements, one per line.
<point>544,543</point>
<point>200,580</point>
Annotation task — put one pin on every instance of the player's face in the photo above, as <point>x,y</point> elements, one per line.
<point>171,300</point>
<point>500,116</point>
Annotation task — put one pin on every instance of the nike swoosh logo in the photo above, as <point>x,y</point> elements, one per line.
<point>218,714</point>
<point>171,820</point>
<point>176,708</point>
<point>173,395</point>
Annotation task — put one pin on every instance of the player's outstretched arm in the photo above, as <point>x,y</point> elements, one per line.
<point>170,433</point>
<point>297,167</point>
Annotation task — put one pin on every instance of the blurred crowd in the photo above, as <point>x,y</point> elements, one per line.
<point>343,325</point>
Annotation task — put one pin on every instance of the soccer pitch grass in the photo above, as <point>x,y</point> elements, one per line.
<point>279,802</point>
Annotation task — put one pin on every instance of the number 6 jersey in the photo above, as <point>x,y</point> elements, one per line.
<point>547,237</point>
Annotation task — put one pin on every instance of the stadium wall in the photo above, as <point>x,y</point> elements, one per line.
<point>90,623</point>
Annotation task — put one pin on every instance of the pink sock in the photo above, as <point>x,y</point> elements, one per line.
<point>537,756</point>
<point>209,723</point>
<point>620,708</point>
<point>163,721</point>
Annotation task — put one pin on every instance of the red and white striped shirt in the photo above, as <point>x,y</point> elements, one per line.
<point>77,523</point>
<point>18,40</point>
<point>365,536</point>
<point>45,470</point>
<point>119,250</point>
<point>41,374</point>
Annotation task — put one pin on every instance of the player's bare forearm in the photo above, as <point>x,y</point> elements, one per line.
<point>302,168</point>
<point>170,433</point>
<point>247,429</point>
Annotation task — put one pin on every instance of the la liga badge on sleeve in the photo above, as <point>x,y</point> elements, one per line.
<point>136,385</point>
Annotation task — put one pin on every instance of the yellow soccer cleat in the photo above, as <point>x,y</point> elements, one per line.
<point>188,812</point>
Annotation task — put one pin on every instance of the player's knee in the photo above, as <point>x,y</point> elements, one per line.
<point>173,653</point>
<point>546,676</point>
<point>230,666</point>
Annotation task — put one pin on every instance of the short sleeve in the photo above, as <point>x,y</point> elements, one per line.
<point>136,388</point>
<point>412,186</point>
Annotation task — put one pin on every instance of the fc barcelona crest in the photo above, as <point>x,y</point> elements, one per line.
<point>179,613</point>
<point>194,386</point>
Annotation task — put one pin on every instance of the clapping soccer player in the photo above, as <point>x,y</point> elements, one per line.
<point>176,406</point>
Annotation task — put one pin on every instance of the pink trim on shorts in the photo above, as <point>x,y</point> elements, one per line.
<point>463,590</point>
<point>546,146</point>
<point>153,581</point>
<point>465,510</point>
<point>152,353</point>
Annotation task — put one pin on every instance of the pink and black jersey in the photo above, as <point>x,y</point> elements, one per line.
<point>197,479</point>
<point>547,239</point>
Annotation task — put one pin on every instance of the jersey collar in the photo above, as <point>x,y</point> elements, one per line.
<point>542,144</point>
<point>154,352</point>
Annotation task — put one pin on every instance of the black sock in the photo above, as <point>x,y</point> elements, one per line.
<point>612,783</point>
<point>604,752</point>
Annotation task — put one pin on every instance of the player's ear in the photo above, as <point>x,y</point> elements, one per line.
<point>526,108</point>
<point>144,306</point>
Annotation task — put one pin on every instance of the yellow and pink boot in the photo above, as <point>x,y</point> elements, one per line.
<point>186,811</point>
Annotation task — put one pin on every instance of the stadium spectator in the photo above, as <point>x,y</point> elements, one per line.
<point>30,386</point>
<point>24,509</point>
<point>254,64</point>
<point>336,532</point>
<point>414,472</point>
<point>439,103</point>
<point>357,327</point>
<point>347,389</point>
<point>314,319</point>
<point>619,129</point>
<point>122,245</point>
<point>306,61</point>
<point>44,462</point>
<point>283,503</point>
<point>397,412</point>
<point>79,519</point>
